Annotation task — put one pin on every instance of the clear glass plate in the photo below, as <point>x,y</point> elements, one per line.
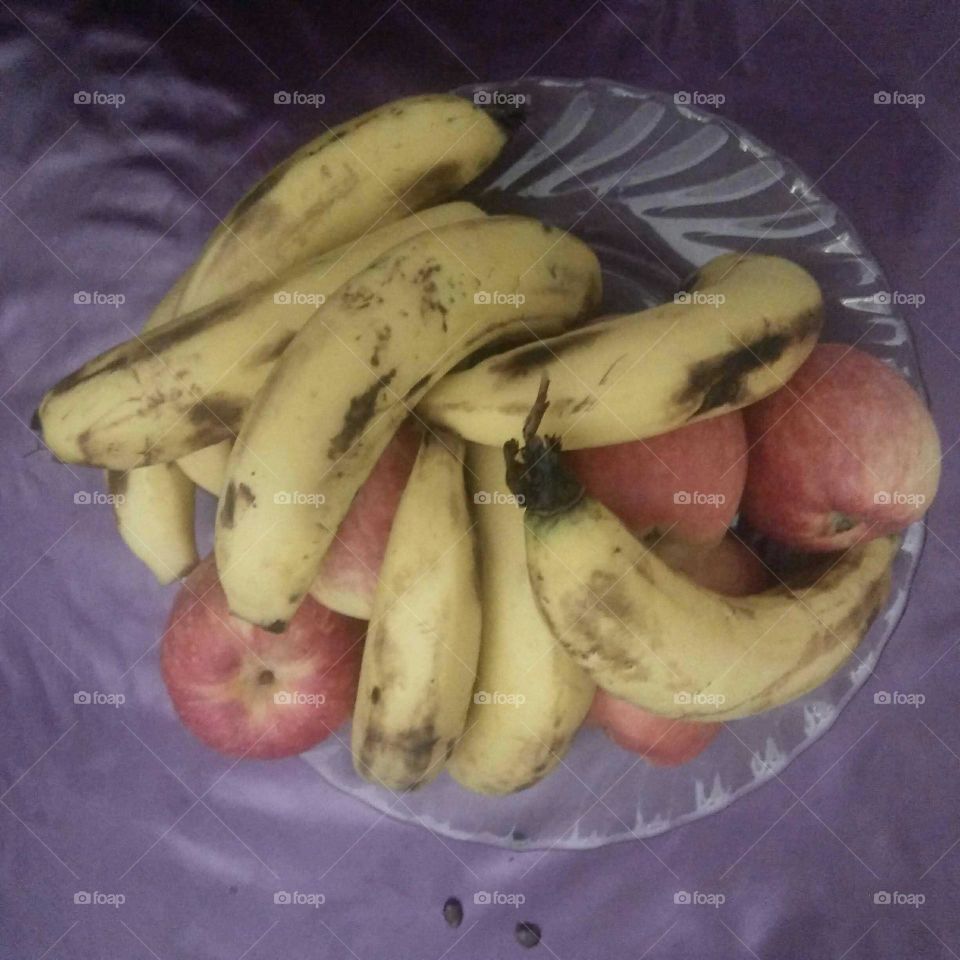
<point>657,189</point>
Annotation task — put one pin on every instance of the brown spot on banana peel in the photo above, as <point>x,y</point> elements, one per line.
<point>415,748</point>
<point>439,182</point>
<point>418,388</point>
<point>152,344</point>
<point>246,496</point>
<point>521,361</point>
<point>228,506</point>
<point>383,339</point>
<point>721,381</point>
<point>207,434</point>
<point>258,193</point>
<point>271,352</point>
<point>549,756</point>
<point>856,624</point>
<point>509,341</point>
<point>117,481</point>
<point>235,495</point>
<point>360,412</point>
<point>220,409</point>
<point>256,212</point>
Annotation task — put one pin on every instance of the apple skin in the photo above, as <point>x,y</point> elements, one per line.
<point>222,674</point>
<point>659,740</point>
<point>729,567</point>
<point>644,481</point>
<point>844,453</point>
<point>351,565</point>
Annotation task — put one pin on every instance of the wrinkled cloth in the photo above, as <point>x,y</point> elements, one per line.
<point>125,132</point>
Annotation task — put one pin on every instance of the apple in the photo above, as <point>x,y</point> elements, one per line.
<point>247,692</point>
<point>351,566</point>
<point>845,452</point>
<point>659,740</point>
<point>729,566</point>
<point>687,481</point>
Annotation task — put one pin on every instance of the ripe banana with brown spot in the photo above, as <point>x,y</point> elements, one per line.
<point>420,655</point>
<point>154,506</point>
<point>186,385</point>
<point>739,334</point>
<point>530,698</point>
<point>367,172</point>
<point>371,170</point>
<point>354,372</point>
<point>650,635</point>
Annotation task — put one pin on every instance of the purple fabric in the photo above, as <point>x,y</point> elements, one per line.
<point>121,800</point>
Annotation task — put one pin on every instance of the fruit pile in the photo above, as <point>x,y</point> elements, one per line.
<point>460,508</point>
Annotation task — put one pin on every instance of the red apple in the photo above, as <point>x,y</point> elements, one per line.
<point>351,567</point>
<point>250,693</point>
<point>688,481</point>
<point>659,740</point>
<point>845,452</point>
<point>729,567</point>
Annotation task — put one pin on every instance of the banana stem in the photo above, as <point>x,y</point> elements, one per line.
<point>536,474</point>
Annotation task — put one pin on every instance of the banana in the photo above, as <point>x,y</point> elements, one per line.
<point>368,171</point>
<point>154,506</point>
<point>652,636</point>
<point>154,511</point>
<point>186,385</point>
<point>167,309</point>
<point>530,697</point>
<point>207,467</point>
<point>742,331</point>
<point>420,656</point>
<point>354,372</point>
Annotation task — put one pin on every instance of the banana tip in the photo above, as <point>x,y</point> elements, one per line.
<point>508,117</point>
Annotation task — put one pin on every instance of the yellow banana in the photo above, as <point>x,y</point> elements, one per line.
<point>530,698</point>
<point>371,170</point>
<point>355,370</point>
<point>154,511</point>
<point>207,467</point>
<point>652,636</point>
<point>167,309</point>
<point>366,172</point>
<point>738,335</point>
<point>186,385</point>
<point>154,506</point>
<point>420,655</point>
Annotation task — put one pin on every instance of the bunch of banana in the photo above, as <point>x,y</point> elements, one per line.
<point>738,335</point>
<point>650,635</point>
<point>530,697</point>
<point>367,172</point>
<point>354,372</point>
<point>420,656</point>
<point>186,385</point>
<point>155,511</point>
